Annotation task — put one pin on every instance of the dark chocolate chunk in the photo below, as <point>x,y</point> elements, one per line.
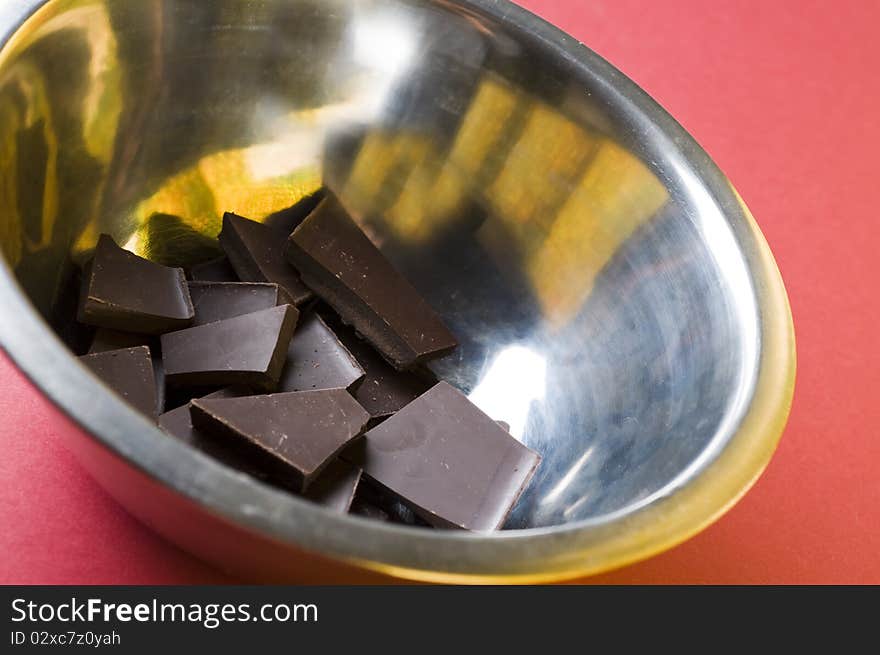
<point>215,270</point>
<point>336,486</point>
<point>383,390</point>
<point>341,265</point>
<point>129,372</point>
<point>316,359</point>
<point>106,339</point>
<point>287,220</point>
<point>247,350</point>
<point>452,464</point>
<point>178,423</point>
<point>216,301</point>
<point>295,434</point>
<point>256,252</point>
<point>125,292</point>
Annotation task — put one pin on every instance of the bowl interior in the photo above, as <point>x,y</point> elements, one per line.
<point>603,303</point>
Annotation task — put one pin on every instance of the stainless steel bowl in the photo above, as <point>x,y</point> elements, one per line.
<point>615,301</point>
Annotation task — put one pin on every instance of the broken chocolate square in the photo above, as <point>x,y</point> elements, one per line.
<point>248,350</point>
<point>178,423</point>
<point>452,464</point>
<point>106,339</point>
<point>129,372</point>
<point>256,252</point>
<point>340,264</point>
<point>292,434</point>
<point>334,488</point>
<point>316,359</point>
<point>125,292</point>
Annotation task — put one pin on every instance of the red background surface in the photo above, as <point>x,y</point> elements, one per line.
<point>785,96</point>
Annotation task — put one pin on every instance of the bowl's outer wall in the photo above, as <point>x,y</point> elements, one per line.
<point>614,301</point>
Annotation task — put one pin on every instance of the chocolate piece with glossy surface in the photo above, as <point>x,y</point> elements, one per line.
<point>452,464</point>
<point>256,252</point>
<point>334,488</point>
<point>247,350</point>
<point>291,434</point>
<point>125,292</point>
<point>340,264</point>
<point>178,423</point>
<point>129,372</point>
<point>317,359</point>
<point>106,339</point>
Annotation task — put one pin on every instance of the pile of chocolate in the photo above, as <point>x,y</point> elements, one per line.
<point>296,358</point>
